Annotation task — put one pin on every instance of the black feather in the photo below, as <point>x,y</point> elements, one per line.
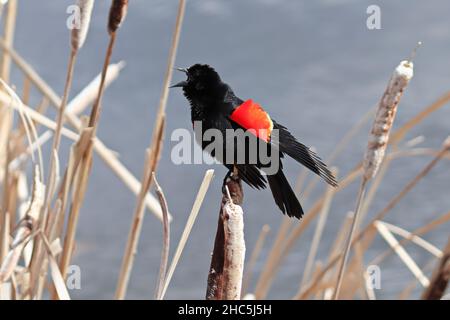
<point>288,144</point>
<point>284,196</point>
<point>251,175</point>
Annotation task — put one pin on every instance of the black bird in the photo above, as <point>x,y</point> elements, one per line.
<point>215,105</point>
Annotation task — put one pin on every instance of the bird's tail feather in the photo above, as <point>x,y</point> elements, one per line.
<point>284,196</point>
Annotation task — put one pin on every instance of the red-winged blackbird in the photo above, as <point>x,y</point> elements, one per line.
<point>215,105</point>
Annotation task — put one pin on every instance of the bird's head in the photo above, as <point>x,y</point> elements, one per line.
<point>202,82</point>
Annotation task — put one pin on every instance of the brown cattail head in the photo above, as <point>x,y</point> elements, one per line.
<point>117,14</point>
<point>80,32</point>
<point>384,118</point>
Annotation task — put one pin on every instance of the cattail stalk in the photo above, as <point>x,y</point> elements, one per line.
<point>227,261</point>
<point>152,159</point>
<point>9,30</point>
<point>6,118</point>
<point>234,251</point>
<point>271,267</point>
<point>86,161</point>
<point>78,37</point>
<point>107,155</point>
<point>88,95</point>
<point>378,140</point>
<point>365,233</point>
<point>96,108</point>
<point>440,278</point>
<point>117,14</point>
<point>83,168</point>
<point>80,177</point>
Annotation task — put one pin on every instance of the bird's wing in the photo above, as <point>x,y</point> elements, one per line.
<point>298,151</point>
<point>251,175</point>
<point>251,116</point>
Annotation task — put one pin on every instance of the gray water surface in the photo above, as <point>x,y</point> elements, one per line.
<point>313,65</point>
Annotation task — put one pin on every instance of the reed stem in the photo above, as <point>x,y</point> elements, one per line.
<point>348,243</point>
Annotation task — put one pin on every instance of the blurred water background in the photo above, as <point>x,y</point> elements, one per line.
<point>313,65</point>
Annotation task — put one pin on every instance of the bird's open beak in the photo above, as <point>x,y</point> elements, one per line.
<point>182,83</point>
<point>179,84</point>
<point>182,70</point>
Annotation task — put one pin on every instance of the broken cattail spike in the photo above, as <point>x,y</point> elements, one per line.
<point>228,194</point>
<point>384,118</point>
<point>413,53</point>
<point>117,14</point>
<point>80,32</point>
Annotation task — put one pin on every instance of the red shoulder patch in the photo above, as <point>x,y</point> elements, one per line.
<point>251,116</point>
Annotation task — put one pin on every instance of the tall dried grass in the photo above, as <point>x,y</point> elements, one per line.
<point>38,228</point>
<point>151,163</point>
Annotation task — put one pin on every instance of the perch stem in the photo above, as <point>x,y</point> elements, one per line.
<point>226,270</point>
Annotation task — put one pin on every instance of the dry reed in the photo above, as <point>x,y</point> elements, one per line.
<point>254,257</point>
<point>10,26</point>
<point>401,252</point>
<point>376,148</point>
<point>24,274</point>
<point>78,37</point>
<point>318,232</point>
<point>365,234</point>
<point>440,277</point>
<point>82,168</point>
<point>105,154</point>
<point>151,163</point>
<point>26,228</point>
<point>166,239</point>
<point>187,229</point>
